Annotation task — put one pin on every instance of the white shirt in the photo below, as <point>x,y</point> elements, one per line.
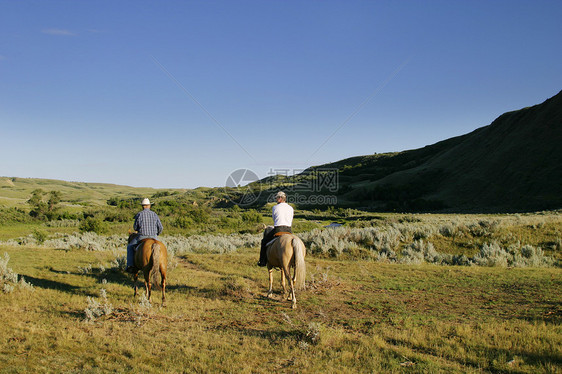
<point>282,214</point>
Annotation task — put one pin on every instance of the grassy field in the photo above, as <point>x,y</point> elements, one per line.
<point>354,316</point>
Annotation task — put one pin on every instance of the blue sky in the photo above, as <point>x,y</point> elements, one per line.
<point>182,93</point>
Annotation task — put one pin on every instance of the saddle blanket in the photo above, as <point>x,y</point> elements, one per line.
<point>276,236</point>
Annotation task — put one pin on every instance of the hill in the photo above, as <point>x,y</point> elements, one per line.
<point>511,165</point>
<point>16,191</point>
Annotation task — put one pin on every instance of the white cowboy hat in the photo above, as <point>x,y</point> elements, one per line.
<point>145,202</point>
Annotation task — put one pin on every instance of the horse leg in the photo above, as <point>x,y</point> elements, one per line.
<point>294,281</point>
<point>163,275</point>
<point>292,296</point>
<point>283,284</point>
<point>135,286</point>
<point>147,285</point>
<point>270,292</point>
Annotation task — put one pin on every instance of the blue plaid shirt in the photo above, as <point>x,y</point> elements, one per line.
<point>147,223</point>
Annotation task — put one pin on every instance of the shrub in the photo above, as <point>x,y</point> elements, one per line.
<point>531,256</point>
<point>339,240</point>
<point>420,251</point>
<point>386,255</point>
<point>87,240</point>
<point>252,216</point>
<point>85,270</point>
<point>25,285</point>
<point>120,262</point>
<point>92,224</point>
<point>491,255</point>
<point>7,288</point>
<point>182,222</point>
<point>63,223</point>
<point>448,230</point>
<point>96,308</point>
<point>415,253</point>
<point>9,279</point>
<point>494,255</point>
<point>483,228</point>
<point>40,236</point>
<point>312,334</point>
<point>200,214</point>
<point>461,260</point>
<point>6,273</point>
<point>14,215</point>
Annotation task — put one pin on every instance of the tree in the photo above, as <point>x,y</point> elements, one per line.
<point>36,197</point>
<point>54,199</point>
<point>38,207</point>
<point>41,209</point>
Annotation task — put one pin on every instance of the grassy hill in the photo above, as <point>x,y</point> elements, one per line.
<point>511,165</point>
<point>16,191</point>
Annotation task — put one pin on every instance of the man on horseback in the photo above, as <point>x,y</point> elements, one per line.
<point>147,225</point>
<point>282,221</point>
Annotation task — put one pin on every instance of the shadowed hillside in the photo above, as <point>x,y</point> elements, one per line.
<point>510,165</point>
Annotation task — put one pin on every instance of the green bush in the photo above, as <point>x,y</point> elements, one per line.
<point>14,215</point>
<point>183,222</point>
<point>200,214</point>
<point>40,236</point>
<point>92,224</point>
<point>252,216</point>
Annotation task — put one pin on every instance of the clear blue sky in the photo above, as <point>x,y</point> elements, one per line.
<point>182,93</point>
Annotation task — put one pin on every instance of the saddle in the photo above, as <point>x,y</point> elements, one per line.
<point>276,236</point>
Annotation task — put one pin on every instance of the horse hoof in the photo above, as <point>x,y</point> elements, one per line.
<point>294,306</point>
<point>270,295</point>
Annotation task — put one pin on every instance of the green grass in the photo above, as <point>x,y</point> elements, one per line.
<point>355,316</point>
<point>16,191</point>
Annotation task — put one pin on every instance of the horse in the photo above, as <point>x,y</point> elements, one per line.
<point>286,252</point>
<point>151,257</point>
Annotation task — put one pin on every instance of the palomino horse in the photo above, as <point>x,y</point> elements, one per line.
<point>151,257</point>
<point>286,252</point>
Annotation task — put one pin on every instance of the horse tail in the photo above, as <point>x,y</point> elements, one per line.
<point>299,251</point>
<point>155,262</point>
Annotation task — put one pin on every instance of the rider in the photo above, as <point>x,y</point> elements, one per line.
<point>282,220</point>
<point>147,225</point>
